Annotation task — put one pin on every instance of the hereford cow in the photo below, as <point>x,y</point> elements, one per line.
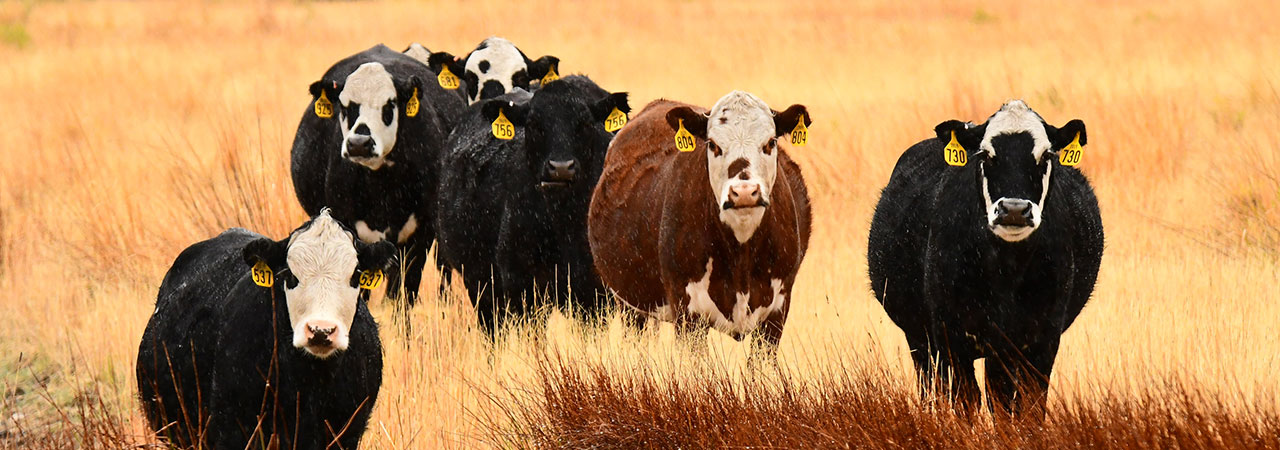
<point>992,256</point>
<point>713,236</point>
<point>368,147</point>
<point>512,214</point>
<point>255,340</point>
<point>494,68</point>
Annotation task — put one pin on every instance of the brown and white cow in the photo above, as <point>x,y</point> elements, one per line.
<point>711,237</point>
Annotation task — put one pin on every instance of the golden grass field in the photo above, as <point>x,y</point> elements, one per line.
<point>130,131</point>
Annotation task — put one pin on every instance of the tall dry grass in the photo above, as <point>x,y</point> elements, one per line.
<point>132,130</point>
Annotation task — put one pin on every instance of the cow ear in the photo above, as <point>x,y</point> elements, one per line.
<point>784,122</point>
<point>265,250</point>
<point>1062,137</point>
<point>376,256</point>
<point>693,121</point>
<point>439,60</point>
<point>540,67</point>
<point>406,89</point>
<point>967,134</point>
<point>601,109</point>
<point>331,88</point>
<point>516,113</point>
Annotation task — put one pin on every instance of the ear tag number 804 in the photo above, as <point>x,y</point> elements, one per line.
<point>684,139</point>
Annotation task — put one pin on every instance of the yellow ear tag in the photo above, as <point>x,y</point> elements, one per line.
<point>551,76</point>
<point>411,108</point>
<point>262,274</point>
<point>1070,155</point>
<point>324,108</point>
<point>684,139</point>
<point>615,121</point>
<point>954,153</point>
<point>371,279</point>
<point>800,134</point>
<point>447,79</point>
<point>502,128</point>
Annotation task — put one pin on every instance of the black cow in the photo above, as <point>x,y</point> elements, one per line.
<point>992,256</point>
<point>496,67</point>
<point>368,147</point>
<point>226,361</point>
<point>512,214</point>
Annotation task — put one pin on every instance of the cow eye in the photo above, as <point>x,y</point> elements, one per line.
<point>711,146</point>
<point>290,281</point>
<point>388,113</point>
<point>355,278</point>
<point>353,111</point>
<point>768,148</point>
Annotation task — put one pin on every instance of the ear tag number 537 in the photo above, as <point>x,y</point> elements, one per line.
<point>371,279</point>
<point>261,274</point>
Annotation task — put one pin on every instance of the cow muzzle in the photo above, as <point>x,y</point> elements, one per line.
<point>1013,219</point>
<point>321,338</point>
<point>558,174</point>
<point>745,195</point>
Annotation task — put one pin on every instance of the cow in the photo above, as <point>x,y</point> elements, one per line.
<point>496,67</point>
<point>984,244</point>
<point>512,214</point>
<point>257,340</point>
<point>701,218</point>
<point>368,148</point>
<point>451,82</point>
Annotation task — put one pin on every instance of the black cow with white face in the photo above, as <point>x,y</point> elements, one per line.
<point>368,147</point>
<point>512,214</point>
<point>496,67</point>
<point>984,245</point>
<point>250,332</point>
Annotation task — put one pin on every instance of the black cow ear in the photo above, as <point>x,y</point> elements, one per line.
<point>967,134</point>
<point>784,122</point>
<point>265,250</point>
<point>376,256</point>
<point>1062,137</point>
<point>516,113</point>
<point>405,89</point>
<point>540,67</point>
<point>330,88</point>
<point>601,109</point>
<point>693,121</point>
<point>440,60</point>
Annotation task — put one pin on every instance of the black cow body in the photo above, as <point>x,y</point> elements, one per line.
<point>216,361</point>
<point>512,214</point>
<point>387,198</point>
<point>958,291</point>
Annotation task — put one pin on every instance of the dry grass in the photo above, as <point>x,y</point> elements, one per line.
<point>132,130</point>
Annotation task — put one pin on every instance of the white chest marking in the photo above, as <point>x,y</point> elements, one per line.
<point>744,319</point>
<point>407,230</point>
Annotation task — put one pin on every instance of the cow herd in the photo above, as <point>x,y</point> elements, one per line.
<point>538,189</point>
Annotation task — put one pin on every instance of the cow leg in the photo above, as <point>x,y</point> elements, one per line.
<point>413,273</point>
<point>633,319</point>
<point>770,334</point>
<point>1018,378</point>
<point>946,375</point>
<point>693,331</point>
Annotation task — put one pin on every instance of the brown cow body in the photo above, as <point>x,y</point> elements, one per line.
<point>661,246</point>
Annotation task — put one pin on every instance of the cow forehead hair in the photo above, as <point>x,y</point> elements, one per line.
<point>1012,118</point>
<point>740,118</point>
<point>370,84</point>
<point>323,248</point>
<point>499,52</point>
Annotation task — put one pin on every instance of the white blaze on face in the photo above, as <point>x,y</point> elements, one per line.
<point>741,126</point>
<point>371,87</point>
<point>323,258</point>
<point>1016,117</point>
<point>498,61</point>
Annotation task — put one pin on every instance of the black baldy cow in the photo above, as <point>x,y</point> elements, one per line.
<point>368,147</point>
<point>985,245</point>
<point>496,67</point>
<point>512,214</point>
<point>711,234</point>
<point>254,340</point>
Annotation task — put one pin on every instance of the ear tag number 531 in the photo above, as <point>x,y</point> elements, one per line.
<point>954,153</point>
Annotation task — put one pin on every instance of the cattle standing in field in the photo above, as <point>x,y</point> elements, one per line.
<point>713,236</point>
<point>226,361</point>
<point>368,148</point>
<point>992,256</point>
<point>512,214</point>
<point>496,67</point>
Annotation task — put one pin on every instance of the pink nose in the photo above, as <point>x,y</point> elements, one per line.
<point>320,333</point>
<point>744,195</point>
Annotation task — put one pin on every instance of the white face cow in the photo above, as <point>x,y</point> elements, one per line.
<point>370,105</point>
<point>1016,154</point>
<point>742,154</point>
<point>319,267</point>
<point>494,68</point>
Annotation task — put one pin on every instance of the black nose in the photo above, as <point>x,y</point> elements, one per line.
<point>360,145</point>
<point>320,337</point>
<point>1013,212</point>
<point>561,170</point>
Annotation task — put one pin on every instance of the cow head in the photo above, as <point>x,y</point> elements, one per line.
<point>370,106</point>
<point>1015,152</point>
<point>741,135</point>
<point>564,134</point>
<point>494,68</point>
<point>319,266</point>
